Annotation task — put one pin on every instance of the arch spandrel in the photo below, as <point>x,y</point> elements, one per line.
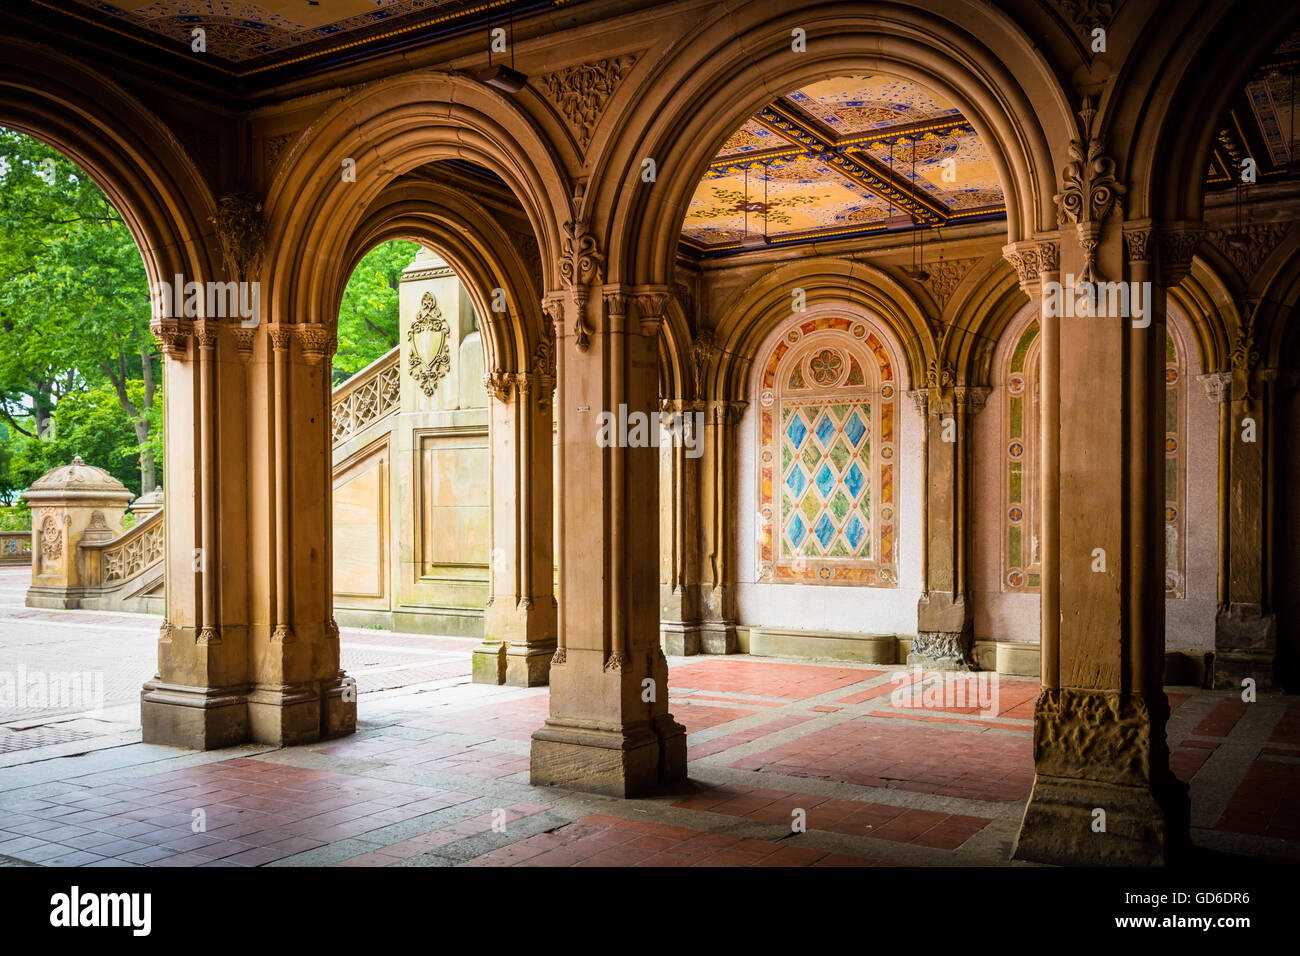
<point>719,75</point>
<point>391,128</point>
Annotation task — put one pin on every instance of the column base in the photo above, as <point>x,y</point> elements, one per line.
<point>488,663</point>
<point>679,639</point>
<point>1245,646</point>
<point>942,651</point>
<point>1140,829</point>
<point>718,637</point>
<point>289,714</point>
<point>196,718</point>
<point>528,665</point>
<point>625,763</point>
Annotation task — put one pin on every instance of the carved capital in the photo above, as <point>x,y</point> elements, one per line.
<point>971,398</point>
<point>652,309</point>
<point>1178,242</point>
<point>243,340</point>
<point>205,334</point>
<point>543,366</point>
<point>316,342</point>
<point>941,374</point>
<point>1137,242</point>
<point>174,336</point>
<point>1217,385</point>
<point>500,384</point>
<point>281,335</point>
<point>1031,258</point>
<point>920,400</point>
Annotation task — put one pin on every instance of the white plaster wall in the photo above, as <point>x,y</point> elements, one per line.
<point>1009,616</point>
<point>865,610</point>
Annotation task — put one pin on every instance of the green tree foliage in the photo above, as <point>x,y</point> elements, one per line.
<point>368,314</point>
<point>74,325</point>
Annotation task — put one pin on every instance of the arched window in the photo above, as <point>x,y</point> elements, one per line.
<point>828,422</point>
<point>1021,567</point>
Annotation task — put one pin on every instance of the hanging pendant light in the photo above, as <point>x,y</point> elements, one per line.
<point>916,273</point>
<point>502,77</point>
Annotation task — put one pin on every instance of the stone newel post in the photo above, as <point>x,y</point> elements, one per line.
<point>70,504</point>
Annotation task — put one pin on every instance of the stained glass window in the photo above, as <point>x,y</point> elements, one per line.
<point>828,417</point>
<point>1022,570</point>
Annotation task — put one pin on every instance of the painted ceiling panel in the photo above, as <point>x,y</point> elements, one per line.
<point>850,105</point>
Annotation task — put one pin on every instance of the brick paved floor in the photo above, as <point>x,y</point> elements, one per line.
<point>791,764</point>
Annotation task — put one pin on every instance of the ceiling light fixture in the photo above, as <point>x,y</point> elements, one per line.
<point>502,77</point>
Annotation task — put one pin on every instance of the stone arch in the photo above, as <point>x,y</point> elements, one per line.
<point>750,316</point>
<point>742,56</point>
<point>1211,310</point>
<point>123,147</point>
<point>391,128</point>
<point>475,245</point>
<point>1175,74</point>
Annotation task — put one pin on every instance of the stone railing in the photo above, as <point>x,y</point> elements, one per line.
<point>367,397</point>
<point>15,547</point>
<point>109,564</point>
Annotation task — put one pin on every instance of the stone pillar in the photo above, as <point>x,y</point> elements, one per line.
<point>70,504</point>
<point>1103,791</point>
<point>679,529</point>
<point>519,621</point>
<point>248,650</point>
<point>609,729</point>
<point>944,624</point>
<point>718,526</point>
<point>1246,624</point>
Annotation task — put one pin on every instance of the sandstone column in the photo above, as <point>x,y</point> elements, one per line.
<point>519,621</point>
<point>609,730</point>
<point>718,526</point>
<point>1246,624</point>
<point>944,635</point>
<point>1103,791</point>
<point>679,529</point>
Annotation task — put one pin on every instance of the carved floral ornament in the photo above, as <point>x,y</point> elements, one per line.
<point>1090,193</point>
<point>580,93</point>
<point>429,339</point>
<point>581,262</point>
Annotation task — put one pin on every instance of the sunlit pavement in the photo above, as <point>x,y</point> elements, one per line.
<point>791,764</point>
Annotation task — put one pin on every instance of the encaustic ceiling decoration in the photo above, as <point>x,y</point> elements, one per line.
<point>836,158</point>
<point>248,34</point>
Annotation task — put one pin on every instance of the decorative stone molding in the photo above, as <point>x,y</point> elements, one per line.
<point>1031,258</point>
<point>208,635</point>
<point>332,629</point>
<point>428,370</point>
<point>283,634</point>
<point>363,401</point>
<point>920,400</point>
<point>1217,385</point>
<point>616,306</point>
<point>165,632</point>
<point>559,656</point>
<point>243,341</point>
<point>581,262</point>
<point>500,384</point>
<point>1093,735</point>
<point>174,337</point>
<point>241,232</point>
<point>316,341</point>
<point>1084,16</point>
<point>617,664</point>
<point>945,276</point>
<point>1248,248</point>
<point>579,93</point>
<point>1090,193</point>
<point>941,374</point>
<point>281,336</point>
<point>1178,242</point>
<point>205,334</point>
<point>544,365</point>
<point>971,398</point>
<point>51,542</point>
<point>942,650</point>
<point>1137,243</point>
<point>652,309</point>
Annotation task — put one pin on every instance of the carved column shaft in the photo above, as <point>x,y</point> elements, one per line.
<point>679,528</point>
<point>609,728</point>
<point>719,524</point>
